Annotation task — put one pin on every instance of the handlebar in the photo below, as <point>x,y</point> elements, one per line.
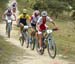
<point>51,30</point>
<point>55,29</point>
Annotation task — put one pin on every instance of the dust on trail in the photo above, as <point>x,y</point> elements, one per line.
<point>30,57</point>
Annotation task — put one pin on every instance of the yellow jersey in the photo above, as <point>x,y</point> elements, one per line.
<point>24,17</point>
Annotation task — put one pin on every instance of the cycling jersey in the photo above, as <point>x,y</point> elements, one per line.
<point>23,18</point>
<point>34,19</point>
<point>42,23</point>
<point>8,15</point>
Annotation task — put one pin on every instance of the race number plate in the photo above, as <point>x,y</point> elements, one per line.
<point>9,21</point>
<point>49,31</point>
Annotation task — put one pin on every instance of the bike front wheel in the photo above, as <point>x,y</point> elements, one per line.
<point>8,30</point>
<point>26,38</point>
<point>51,47</point>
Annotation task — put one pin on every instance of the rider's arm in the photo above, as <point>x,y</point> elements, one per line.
<point>18,18</point>
<point>39,21</point>
<point>31,20</point>
<point>54,23</point>
<point>14,17</point>
<point>28,18</point>
<point>49,19</point>
<point>3,16</point>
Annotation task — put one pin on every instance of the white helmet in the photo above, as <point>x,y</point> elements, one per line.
<point>36,12</point>
<point>44,13</point>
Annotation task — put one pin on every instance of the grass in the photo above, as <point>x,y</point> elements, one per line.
<point>65,39</point>
<point>2,6</point>
<point>8,52</point>
<point>25,4</point>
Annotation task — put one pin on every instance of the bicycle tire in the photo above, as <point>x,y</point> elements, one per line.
<point>22,40</point>
<point>8,30</point>
<point>32,43</point>
<point>37,48</point>
<point>26,39</point>
<point>51,46</point>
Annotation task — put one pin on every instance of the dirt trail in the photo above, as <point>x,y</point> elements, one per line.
<point>33,57</point>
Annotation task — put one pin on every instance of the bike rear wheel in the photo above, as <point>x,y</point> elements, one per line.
<point>51,47</point>
<point>41,52</point>
<point>22,40</point>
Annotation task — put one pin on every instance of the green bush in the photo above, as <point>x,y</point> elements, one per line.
<point>3,4</point>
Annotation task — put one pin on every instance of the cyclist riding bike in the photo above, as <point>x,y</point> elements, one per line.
<point>41,26</point>
<point>14,5</point>
<point>8,14</point>
<point>34,18</point>
<point>22,20</point>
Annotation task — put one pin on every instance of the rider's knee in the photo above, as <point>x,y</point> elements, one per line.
<point>21,25</point>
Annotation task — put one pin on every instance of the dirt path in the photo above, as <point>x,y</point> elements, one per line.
<point>33,57</point>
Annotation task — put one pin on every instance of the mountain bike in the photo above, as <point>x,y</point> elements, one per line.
<point>9,27</point>
<point>25,37</point>
<point>48,42</point>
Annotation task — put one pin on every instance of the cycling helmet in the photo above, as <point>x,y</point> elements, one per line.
<point>36,13</point>
<point>24,10</point>
<point>44,13</point>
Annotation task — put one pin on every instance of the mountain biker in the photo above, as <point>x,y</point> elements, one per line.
<point>8,14</point>
<point>34,18</point>
<point>22,20</point>
<point>14,5</point>
<point>41,26</point>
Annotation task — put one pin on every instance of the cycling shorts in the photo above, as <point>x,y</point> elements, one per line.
<point>23,21</point>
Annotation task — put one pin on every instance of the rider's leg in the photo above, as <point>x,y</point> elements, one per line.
<point>32,30</point>
<point>21,28</point>
<point>40,39</point>
<point>36,35</point>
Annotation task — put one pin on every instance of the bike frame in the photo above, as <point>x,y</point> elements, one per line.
<point>9,27</point>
